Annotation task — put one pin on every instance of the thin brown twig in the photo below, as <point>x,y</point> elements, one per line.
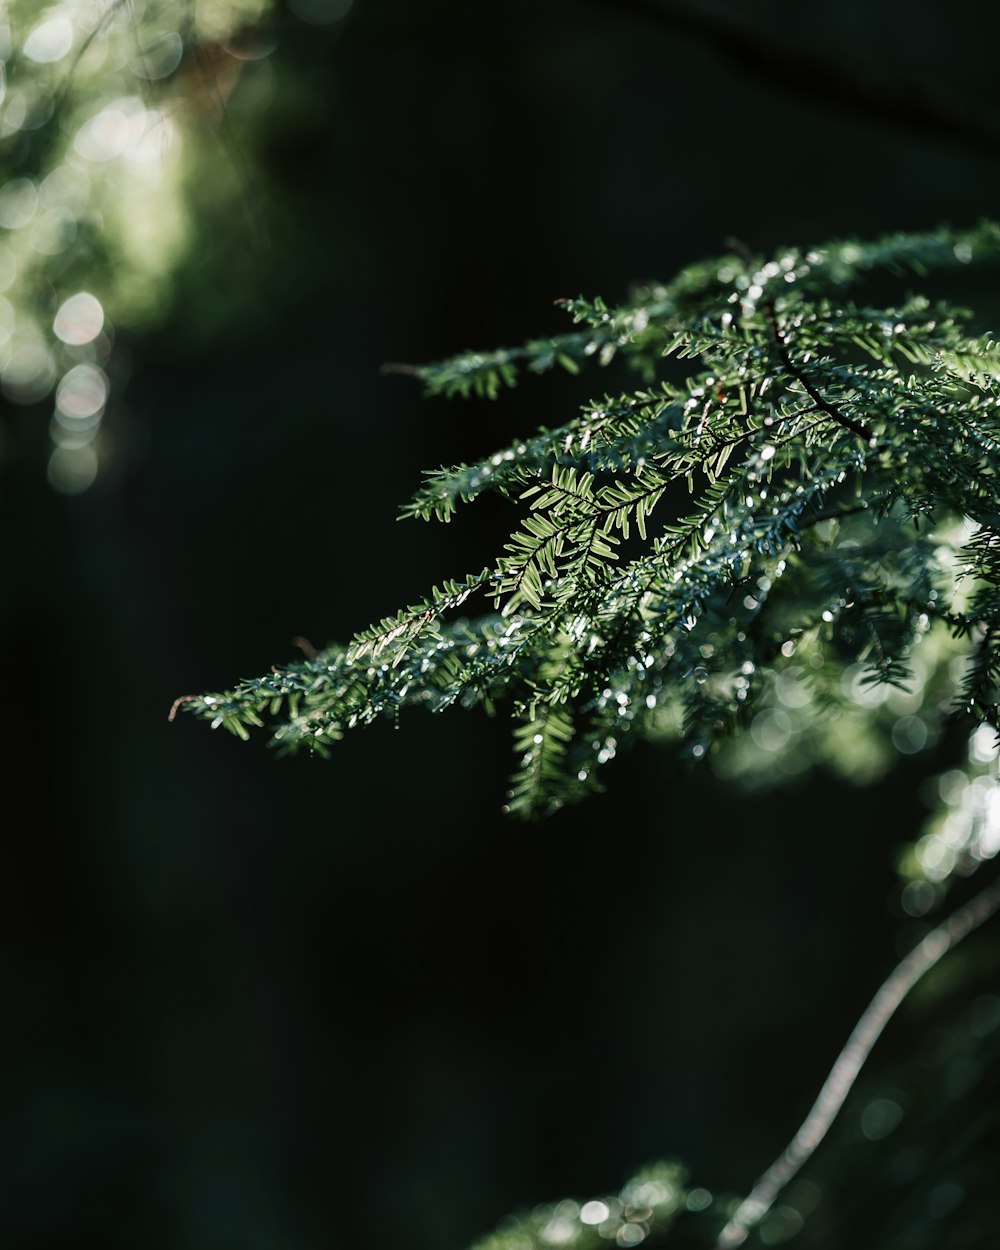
<point>175,706</point>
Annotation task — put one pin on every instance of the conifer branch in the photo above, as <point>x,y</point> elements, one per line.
<point>668,540</point>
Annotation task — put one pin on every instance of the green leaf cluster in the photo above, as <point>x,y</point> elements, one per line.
<point>797,474</point>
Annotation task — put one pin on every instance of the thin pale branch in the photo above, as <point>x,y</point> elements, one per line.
<point>851,1059</point>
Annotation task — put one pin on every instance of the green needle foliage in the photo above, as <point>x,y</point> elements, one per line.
<point>648,1205</point>
<point>799,481</point>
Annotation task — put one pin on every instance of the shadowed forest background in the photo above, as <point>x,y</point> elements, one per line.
<point>268,1004</point>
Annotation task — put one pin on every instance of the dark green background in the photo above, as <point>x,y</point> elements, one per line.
<point>253,1004</point>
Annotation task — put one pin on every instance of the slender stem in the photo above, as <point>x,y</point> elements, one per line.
<point>754,50</point>
<point>834,514</point>
<point>849,1062</point>
<point>823,405</point>
<point>175,706</point>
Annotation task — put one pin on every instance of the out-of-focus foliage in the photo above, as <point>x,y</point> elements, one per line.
<point>106,105</point>
<point>910,1161</point>
<point>648,1204</point>
<point>813,543</point>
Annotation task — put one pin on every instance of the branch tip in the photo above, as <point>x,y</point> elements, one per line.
<point>175,706</point>
<point>305,646</point>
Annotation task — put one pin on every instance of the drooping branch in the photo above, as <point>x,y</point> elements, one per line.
<point>617,621</point>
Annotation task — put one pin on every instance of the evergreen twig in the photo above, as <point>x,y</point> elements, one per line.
<point>670,548</point>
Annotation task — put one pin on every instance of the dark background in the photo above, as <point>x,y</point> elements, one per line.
<point>283,1004</point>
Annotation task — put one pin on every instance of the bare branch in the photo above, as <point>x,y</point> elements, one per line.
<point>906,105</point>
<point>851,1059</point>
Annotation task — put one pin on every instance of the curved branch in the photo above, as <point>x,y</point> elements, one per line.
<point>822,404</point>
<point>851,1059</point>
<point>905,105</point>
